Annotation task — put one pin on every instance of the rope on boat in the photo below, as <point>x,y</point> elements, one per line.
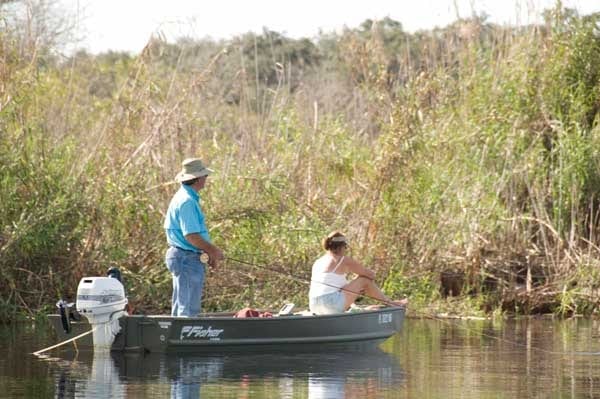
<point>65,342</point>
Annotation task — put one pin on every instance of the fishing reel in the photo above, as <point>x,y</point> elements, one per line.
<point>204,258</point>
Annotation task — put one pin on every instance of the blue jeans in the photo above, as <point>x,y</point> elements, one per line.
<point>188,281</point>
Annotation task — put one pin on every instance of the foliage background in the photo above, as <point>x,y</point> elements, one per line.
<point>460,161</point>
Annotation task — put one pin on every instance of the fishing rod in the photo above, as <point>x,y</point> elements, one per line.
<point>422,313</point>
<point>306,280</point>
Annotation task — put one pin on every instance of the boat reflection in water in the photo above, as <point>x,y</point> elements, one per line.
<point>360,374</point>
<point>88,378</point>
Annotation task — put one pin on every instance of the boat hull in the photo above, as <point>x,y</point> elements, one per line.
<point>225,333</point>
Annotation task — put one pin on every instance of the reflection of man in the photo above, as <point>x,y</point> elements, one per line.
<point>188,238</point>
<point>189,373</point>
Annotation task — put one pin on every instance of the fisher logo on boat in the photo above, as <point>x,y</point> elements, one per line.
<point>192,332</point>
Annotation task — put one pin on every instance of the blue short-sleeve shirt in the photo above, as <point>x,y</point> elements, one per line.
<point>184,216</point>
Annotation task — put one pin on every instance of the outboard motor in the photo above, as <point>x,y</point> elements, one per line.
<point>102,301</point>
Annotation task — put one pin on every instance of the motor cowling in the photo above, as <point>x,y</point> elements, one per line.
<point>98,297</point>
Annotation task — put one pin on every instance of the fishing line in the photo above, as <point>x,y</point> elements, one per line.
<point>483,334</point>
<point>304,279</point>
<point>421,313</point>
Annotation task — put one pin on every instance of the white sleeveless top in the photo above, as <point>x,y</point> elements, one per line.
<point>323,282</point>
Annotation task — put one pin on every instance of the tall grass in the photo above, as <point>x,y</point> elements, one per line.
<point>497,172</point>
<point>465,152</point>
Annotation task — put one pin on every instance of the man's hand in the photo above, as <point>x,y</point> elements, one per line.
<point>215,255</point>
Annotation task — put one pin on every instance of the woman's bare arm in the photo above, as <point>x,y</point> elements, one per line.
<point>356,267</point>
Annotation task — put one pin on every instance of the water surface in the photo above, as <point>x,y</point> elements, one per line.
<point>428,359</point>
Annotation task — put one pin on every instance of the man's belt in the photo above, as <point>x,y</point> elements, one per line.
<point>204,258</point>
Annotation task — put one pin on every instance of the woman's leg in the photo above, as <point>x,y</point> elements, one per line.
<point>364,286</point>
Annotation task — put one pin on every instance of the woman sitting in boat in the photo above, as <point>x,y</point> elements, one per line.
<point>330,292</point>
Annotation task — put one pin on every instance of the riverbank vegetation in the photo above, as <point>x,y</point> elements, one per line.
<point>462,162</point>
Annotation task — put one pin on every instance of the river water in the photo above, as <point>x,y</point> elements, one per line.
<point>528,358</point>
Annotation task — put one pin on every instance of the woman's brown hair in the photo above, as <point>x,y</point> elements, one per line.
<point>334,241</point>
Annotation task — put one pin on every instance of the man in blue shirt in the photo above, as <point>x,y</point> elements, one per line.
<point>189,241</point>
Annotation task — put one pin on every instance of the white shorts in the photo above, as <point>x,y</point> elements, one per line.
<point>331,303</point>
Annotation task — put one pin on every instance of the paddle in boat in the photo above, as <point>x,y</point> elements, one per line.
<point>99,321</point>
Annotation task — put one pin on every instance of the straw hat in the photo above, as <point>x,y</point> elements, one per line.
<point>192,168</point>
